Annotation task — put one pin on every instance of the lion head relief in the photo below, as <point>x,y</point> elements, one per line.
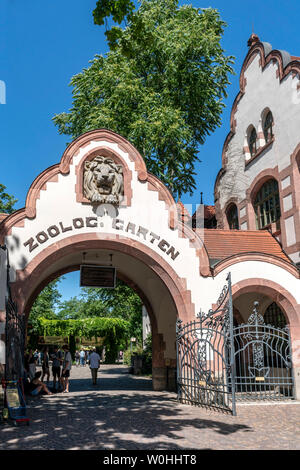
<point>103,180</point>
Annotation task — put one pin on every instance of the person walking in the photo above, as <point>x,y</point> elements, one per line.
<point>77,358</point>
<point>45,365</point>
<point>82,357</point>
<point>31,364</point>
<point>66,370</point>
<point>94,365</point>
<point>56,357</point>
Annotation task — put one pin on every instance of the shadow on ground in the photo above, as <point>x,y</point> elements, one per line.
<point>112,416</point>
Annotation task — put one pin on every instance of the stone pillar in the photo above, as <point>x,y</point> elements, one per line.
<point>295,340</point>
<point>2,344</point>
<point>164,378</point>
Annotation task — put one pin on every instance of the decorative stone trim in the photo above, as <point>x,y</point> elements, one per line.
<point>255,186</point>
<point>51,175</point>
<point>276,292</point>
<point>106,152</point>
<point>274,56</point>
<point>259,152</point>
<point>25,294</point>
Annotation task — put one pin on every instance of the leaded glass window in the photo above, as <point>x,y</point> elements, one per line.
<point>252,142</point>
<point>267,205</point>
<point>232,217</point>
<point>268,123</point>
<point>274,316</point>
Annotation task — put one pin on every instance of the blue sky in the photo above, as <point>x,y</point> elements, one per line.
<point>43,44</point>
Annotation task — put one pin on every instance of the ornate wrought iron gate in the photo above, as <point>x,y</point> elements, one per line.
<point>262,360</point>
<point>219,364</point>
<point>14,336</point>
<point>205,358</point>
<point>15,342</point>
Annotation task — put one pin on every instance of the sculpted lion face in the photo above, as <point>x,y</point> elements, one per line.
<point>104,177</point>
<point>103,180</point>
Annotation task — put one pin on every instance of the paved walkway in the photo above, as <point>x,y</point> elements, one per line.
<point>122,412</point>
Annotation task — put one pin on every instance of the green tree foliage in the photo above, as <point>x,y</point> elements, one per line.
<point>80,307</point>
<point>121,302</point>
<point>44,307</point>
<point>161,86</point>
<point>118,9</point>
<point>6,201</point>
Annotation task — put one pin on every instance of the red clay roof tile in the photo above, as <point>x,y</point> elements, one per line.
<point>222,244</point>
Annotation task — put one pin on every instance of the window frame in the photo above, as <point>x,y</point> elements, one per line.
<point>232,220</point>
<point>268,127</point>
<point>267,200</point>
<point>274,316</point>
<point>252,142</point>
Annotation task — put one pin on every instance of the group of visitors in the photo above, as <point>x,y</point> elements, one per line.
<point>61,367</point>
<point>82,357</point>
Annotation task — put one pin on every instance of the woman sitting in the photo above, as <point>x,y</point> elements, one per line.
<point>36,386</point>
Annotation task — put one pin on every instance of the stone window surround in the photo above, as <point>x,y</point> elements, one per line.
<point>261,144</point>
<point>292,171</point>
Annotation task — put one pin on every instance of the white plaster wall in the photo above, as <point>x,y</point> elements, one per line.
<point>210,288</point>
<point>290,231</point>
<point>287,202</point>
<point>263,90</point>
<point>58,204</point>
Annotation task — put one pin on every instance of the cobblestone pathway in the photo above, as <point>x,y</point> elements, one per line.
<point>122,412</point>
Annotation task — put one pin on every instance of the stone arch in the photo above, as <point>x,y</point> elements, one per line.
<point>38,273</point>
<point>289,307</point>
<point>232,203</point>
<point>88,241</point>
<point>275,292</point>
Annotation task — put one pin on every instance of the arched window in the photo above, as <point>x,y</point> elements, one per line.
<point>274,316</point>
<point>232,217</point>
<point>252,142</point>
<point>266,204</point>
<point>298,161</point>
<point>268,127</point>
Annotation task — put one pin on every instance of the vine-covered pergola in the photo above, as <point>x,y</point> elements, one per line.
<point>114,331</point>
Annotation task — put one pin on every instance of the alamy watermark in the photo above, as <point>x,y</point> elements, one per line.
<point>2,92</point>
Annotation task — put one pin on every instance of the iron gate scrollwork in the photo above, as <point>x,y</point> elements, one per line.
<point>15,342</point>
<point>263,360</point>
<point>205,357</point>
<point>15,328</point>
<point>219,363</point>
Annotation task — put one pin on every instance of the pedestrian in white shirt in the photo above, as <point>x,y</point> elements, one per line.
<point>66,369</point>
<point>94,365</point>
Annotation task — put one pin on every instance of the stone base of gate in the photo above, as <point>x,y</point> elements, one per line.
<point>297,382</point>
<point>164,378</point>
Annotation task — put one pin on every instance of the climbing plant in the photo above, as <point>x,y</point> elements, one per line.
<point>115,331</point>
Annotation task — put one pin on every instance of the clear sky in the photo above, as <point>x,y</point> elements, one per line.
<point>43,44</point>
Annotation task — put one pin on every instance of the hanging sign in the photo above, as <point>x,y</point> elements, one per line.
<point>97,276</point>
<point>53,340</point>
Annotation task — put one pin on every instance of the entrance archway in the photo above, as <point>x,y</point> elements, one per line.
<point>68,214</point>
<point>160,289</point>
